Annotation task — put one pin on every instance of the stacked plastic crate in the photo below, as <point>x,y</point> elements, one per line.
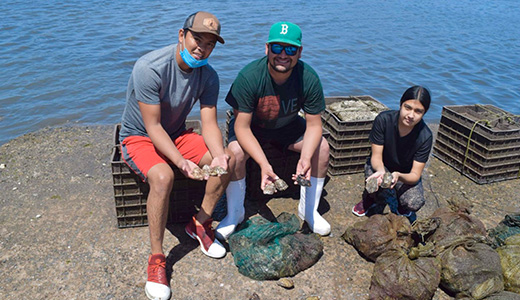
<point>130,192</point>
<point>480,141</point>
<point>349,119</point>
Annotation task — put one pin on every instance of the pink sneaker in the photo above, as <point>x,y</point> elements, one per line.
<point>362,207</point>
<point>206,237</point>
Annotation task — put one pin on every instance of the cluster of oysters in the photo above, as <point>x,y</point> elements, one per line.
<point>273,187</point>
<point>207,171</point>
<point>371,184</point>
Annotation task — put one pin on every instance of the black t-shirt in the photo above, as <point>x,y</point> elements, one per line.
<point>400,152</point>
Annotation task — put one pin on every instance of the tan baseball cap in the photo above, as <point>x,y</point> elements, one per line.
<point>204,22</point>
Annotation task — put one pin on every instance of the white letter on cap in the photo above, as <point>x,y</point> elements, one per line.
<point>284,29</point>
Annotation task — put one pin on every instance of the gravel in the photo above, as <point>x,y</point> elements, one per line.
<point>59,235</point>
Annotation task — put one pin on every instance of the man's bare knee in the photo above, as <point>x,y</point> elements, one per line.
<point>160,178</point>
<point>240,160</point>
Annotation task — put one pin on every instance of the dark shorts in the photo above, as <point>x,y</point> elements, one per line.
<point>281,137</point>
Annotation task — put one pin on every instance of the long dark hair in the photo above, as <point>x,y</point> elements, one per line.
<point>417,92</point>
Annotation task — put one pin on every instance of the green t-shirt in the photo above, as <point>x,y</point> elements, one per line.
<point>274,106</point>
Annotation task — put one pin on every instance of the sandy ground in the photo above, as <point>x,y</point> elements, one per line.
<point>59,237</point>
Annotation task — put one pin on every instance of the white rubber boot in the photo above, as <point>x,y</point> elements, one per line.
<point>235,194</point>
<point>308,207</point>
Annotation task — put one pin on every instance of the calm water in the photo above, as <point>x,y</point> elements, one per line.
<point>68,62</point>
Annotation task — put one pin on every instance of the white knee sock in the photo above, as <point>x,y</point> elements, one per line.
<point>308,207</point>
<point>235,194</point>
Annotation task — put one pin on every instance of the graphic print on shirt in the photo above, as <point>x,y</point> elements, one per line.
<point>268,108</point>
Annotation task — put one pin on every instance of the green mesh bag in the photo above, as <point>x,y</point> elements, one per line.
<point>510,260</point>
<point>265,250</point>
<point>509,226</point>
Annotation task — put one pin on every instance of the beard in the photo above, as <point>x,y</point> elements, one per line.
<point>280,69</point>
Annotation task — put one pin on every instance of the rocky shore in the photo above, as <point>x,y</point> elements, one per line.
<point>59,237</point>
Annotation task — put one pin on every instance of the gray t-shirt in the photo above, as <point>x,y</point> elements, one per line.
<point>157,79</point>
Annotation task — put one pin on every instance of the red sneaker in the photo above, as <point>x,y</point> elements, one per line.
<point>362,207</point>
<point>206,237</point>
<point>157,286</point>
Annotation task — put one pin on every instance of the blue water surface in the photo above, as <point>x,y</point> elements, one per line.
<point>68,62</point>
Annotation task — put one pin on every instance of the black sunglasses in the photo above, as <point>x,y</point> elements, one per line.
<point>289,50</point>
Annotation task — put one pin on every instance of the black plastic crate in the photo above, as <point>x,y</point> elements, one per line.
<point>355,129</point>
<point>350,152</point>
<point>349,140</point>
<point>346,160</point>
<point>130,192</point>
<point>476,172</point>
<point>480,141</point>
<point>459,154</point>
<point>344,169</point>
<point>477,136</point>
<point>486,122</point>
<point>474,149</point>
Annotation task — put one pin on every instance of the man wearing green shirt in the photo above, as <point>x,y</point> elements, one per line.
<point>267,96</point>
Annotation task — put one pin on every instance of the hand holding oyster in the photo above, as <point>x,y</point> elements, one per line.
<point>387,180</point>
<point>371,185</point>
<point>301,180</point>
<point>277,186</point>
<point>207,171</point>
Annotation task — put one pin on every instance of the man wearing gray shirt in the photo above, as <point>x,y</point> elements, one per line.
<point>163,87</point>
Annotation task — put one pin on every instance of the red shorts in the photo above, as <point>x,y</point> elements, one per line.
<point>140,154</point>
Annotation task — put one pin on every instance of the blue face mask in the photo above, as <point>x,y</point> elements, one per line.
<point>191,61</point>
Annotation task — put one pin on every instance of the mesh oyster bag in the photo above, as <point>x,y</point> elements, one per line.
<point>406,275</point>
<point>455,222</point>
<point>504,295</point>
<point>510,260</point>
<point>509,226</point>
<point>378,233</point>
<point>470,268</point>
<point>265,250</point>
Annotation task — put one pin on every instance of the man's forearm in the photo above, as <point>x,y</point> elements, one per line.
<point>162,141</point>
<point>213,139</point>
<point>250,144</point>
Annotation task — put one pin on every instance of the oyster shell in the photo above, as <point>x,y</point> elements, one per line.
<point>197,173</point>
<point>302,181</point>
<point>280,184</point>
<point>371,185</point>
<point>269,189</point>
<point>387,180</point>
<point>218,170</point>
<point>285,283</point>
<point>206,170</point>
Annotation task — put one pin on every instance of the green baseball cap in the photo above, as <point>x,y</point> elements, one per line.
<point>285,32</point>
